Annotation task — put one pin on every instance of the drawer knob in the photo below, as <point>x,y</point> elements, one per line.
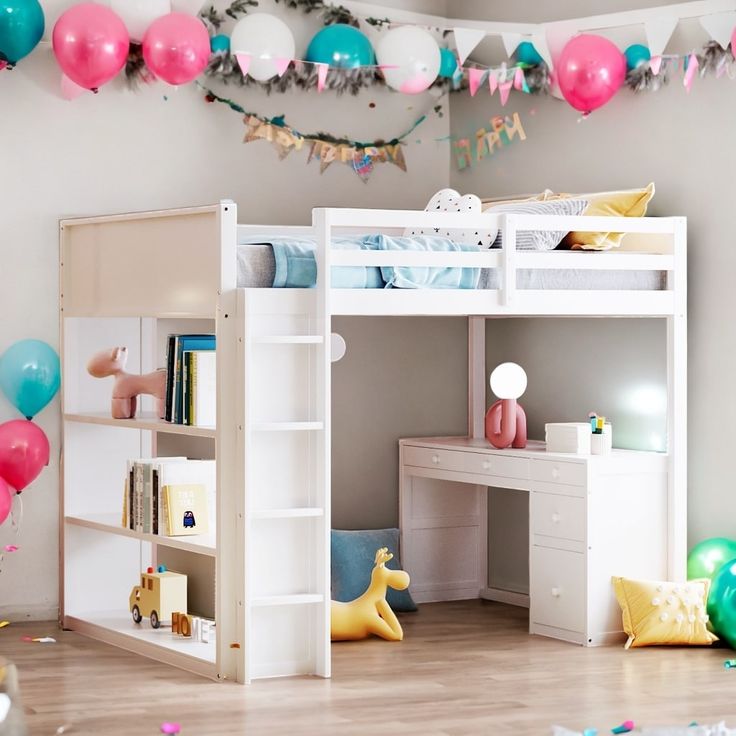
<point>555,473</point>
<point>436,459</point>
<point>555,518</point>
<point>556,592</point>
<point>486,465</point>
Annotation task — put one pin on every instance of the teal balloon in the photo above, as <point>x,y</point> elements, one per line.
<point>220,43</point>
<point>21,28</point>
<point>721,606</point>
<point>707,558</point>
<point>342,46</point>
<point>30,375</point>
<point>636,55</point>
<point>527,54</point>
<point>448,64</point>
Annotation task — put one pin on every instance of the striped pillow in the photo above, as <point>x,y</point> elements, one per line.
<point>532,239</point>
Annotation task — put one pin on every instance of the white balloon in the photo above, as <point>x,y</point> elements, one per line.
<point>139,14</point>
<point>264,38</point>
<point>414,56</point>
<point>190,7</point>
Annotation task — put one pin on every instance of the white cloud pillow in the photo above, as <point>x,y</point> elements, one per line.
<point>448,200</point>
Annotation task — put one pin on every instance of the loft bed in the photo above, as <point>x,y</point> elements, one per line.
<point>130,279</point>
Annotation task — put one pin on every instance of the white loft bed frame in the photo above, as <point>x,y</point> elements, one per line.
<point>267,628</point>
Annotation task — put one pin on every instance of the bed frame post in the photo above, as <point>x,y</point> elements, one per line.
<point>476,376</point>
<point>508,260</point>
<point>677,407</point>
<point>321,222</point>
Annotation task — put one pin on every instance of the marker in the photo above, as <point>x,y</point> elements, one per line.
<point>729,663</point>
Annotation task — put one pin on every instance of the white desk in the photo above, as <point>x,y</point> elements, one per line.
<point>590,517</point>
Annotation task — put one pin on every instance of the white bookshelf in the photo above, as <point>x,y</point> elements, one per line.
<point>264,569</point>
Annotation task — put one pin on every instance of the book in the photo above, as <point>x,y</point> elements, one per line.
<point>183,343</point>
<point>201,396</point>
<point>180,471</point>
<point>185,506</point>
<point>170,362</point>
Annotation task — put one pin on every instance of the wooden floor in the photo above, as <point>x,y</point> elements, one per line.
<point>463,668</point>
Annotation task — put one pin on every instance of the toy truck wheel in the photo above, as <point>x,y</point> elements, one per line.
<point>136,614</point>
<point>155,623</point>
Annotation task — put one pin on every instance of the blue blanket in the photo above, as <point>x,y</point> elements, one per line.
<point>296,266</point>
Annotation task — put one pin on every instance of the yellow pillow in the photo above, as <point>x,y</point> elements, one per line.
<point>664,613</point>
<point>629,203</point>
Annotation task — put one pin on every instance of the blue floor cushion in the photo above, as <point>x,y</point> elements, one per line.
<point>353,553</point>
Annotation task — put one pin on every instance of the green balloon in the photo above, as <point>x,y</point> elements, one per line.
<point>705,559</point>
<point>722,603</point>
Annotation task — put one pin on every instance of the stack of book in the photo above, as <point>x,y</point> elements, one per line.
<point>171,496</point>
<point>191,370</point>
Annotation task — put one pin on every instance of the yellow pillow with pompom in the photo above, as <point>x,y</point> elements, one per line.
<point>628,203</point>
<point>664,613</point>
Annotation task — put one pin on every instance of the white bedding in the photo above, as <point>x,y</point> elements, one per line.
<point>256,269</point>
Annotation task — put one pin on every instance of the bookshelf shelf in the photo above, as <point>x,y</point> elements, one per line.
<point>291,513</point>
<point>118,629</point>
<point>204,544</point>
<point>289,340</point>
<point>296,599</point>
<point>145,421</point>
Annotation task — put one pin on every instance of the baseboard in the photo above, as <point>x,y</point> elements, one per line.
<point>505,596</point>
<point>34,612</point>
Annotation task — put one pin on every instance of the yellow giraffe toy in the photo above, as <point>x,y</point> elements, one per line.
<point>370,613</point>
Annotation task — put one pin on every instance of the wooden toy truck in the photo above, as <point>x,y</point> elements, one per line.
<point>158,596</point>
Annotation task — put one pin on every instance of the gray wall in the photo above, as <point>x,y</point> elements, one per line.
<point>684,144</point>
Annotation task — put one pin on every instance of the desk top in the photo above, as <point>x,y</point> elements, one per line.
<point>534,449</point>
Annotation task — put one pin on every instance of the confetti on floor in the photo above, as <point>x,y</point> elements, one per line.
<point>10,548</point>
<point>39,639</point>
<point>3,624</point>
<point>170,727</point>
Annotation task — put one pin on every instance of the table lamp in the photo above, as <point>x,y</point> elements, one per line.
<point>505,419</point>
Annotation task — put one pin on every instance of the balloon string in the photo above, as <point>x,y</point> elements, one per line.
<point>16,519</point>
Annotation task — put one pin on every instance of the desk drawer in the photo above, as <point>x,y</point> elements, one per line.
<point>557,588</point>
<point>562,517</point>
<point>425,457</point>
<point>553,471</point>
<point>501,466</point>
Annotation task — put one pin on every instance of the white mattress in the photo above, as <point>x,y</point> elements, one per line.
<point>256,269</point>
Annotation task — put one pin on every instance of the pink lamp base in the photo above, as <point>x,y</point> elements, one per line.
<point>506,424</point>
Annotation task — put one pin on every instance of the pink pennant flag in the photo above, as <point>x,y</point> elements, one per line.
<point>70,90</point>
<point>655,64</point>
<point>474,79</point>
<point>492,82</point>
<point>298,66</point>
<point>321,76</point>
<point>692,68</point>
<point>503,90</point>
<point>243,63</point>
<point>281,65</point>
<point>518,78</point>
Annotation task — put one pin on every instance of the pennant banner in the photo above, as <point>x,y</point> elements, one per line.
<point>281,65</point>
<point>503,90</point>
<point>719,26</point>
<point>655,64</point>
<point>243,63</point>
<point>475,78</point>
<point>511,41</point>
<point>690,72</point>
<point>466,39</point>
<point>321,76</point>
<point>659,31</point>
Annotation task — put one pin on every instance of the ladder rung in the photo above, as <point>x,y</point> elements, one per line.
<point>287,600</point>
<point>291,513</point>
<point>290,340</point>
<point>287,426</point>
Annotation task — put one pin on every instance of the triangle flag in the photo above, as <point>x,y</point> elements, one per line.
<point>503,90</point>
<point>281,64</point>
<point>540,44</point>
<point>475,77</point>
<point>492,81</point>
<point>466,39</point>
<point>321,76</point>
<point>70,90</point>
<point>719,26</point>
<point>655,64</point>
<point>690,72</point>
<point>659,31</point>
<point>243,63</point>
<point>510,42</point>
<point>519,80</point>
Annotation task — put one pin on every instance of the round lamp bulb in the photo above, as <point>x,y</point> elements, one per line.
<point>508,381</point>
<point>338,347</point>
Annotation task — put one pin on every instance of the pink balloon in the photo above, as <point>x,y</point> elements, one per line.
<point>24,451</point>
<point>176,47</point>
<point>6,500</point>
<point>91,44</point>
<point>590,71</point>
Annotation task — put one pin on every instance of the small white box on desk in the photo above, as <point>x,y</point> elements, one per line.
<point>572,437</point>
